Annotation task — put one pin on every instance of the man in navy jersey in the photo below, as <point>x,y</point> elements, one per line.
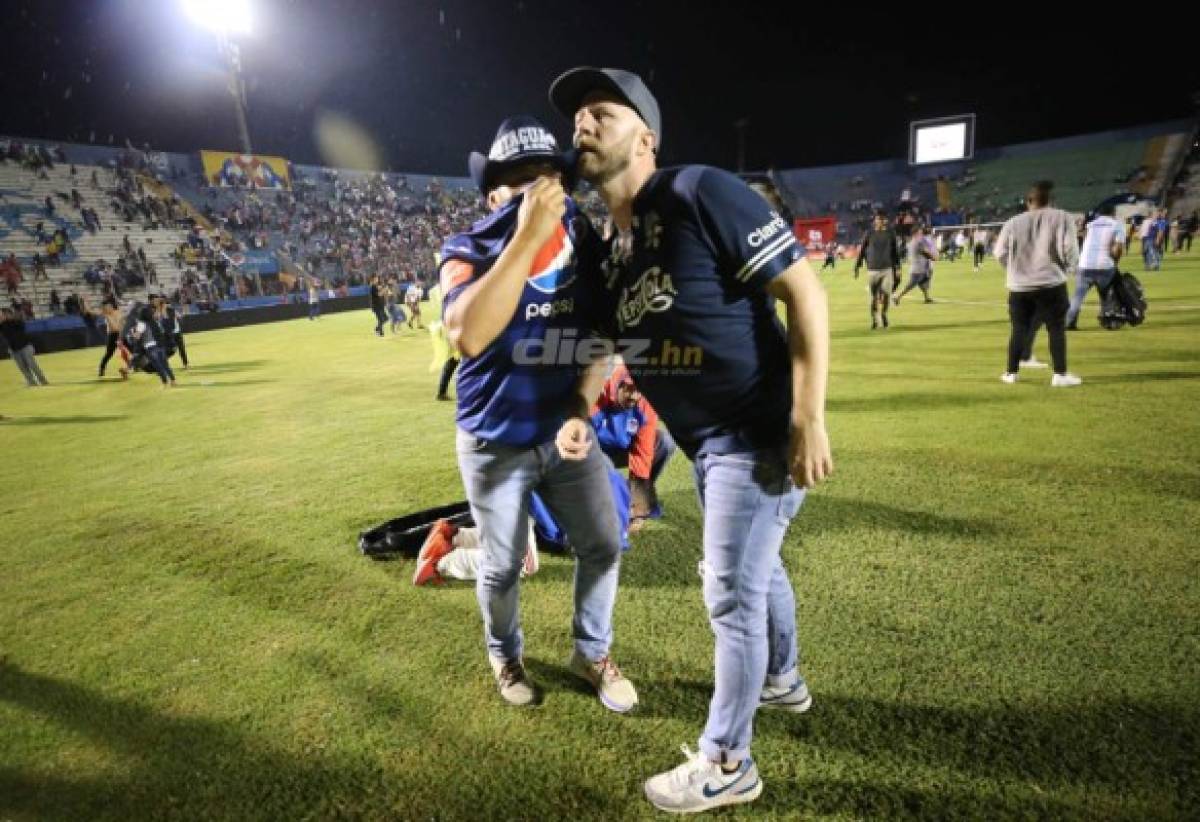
<point>697,267</point>
<point>518,279</point>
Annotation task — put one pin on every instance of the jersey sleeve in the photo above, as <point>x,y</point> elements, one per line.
<point>457,269</point>
<point>753,242</point>
<point>641,450</point>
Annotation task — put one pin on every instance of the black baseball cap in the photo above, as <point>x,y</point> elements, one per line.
<point>567,93</point>
<point>519,140</point>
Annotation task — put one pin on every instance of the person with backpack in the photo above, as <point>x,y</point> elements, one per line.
<point>1102,248</point>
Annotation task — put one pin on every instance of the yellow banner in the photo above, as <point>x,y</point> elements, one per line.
<point>226,169</point>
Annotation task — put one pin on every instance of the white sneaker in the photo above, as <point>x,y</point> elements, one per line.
<point>1033,362</point>
<point>615,691</point>
<point>794,697</point>
<point>514,684</point>
<point>1008,377</point>
<point>700,784</point>
<point>1064,381</point>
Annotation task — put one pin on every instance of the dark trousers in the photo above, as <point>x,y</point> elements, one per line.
<point>158,359</point>
<point>380,319</point>
<point>980,253</point>
<point>664,448</point>
<point>110,348</point>
<point>447,373</point>
<point>182,349</point>
<point>1028,309</point>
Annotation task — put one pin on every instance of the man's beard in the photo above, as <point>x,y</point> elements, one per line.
<point>598,168</point>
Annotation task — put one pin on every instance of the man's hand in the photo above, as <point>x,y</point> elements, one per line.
<point>809,459</point>
<point>574,439</point>
<point>541,210</point>
<point>856,270</point>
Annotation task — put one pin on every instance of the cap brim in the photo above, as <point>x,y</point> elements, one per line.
<point>567,92</point>
<point>483,171</point>
<point>477,163</point>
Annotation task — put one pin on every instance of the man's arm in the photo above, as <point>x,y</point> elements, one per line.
<point>485,308</point>
<point>1117,246</point>
<point>641,450</point>
<point>798,288</point>
<point>1000,250</point>
<point>574,438</point>
<point>862,252</point>
<point>1069,247</point>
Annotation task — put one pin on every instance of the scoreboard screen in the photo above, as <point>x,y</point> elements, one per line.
<point>943,140</point>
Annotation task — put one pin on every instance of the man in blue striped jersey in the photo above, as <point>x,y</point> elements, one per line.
<point>515,284</point>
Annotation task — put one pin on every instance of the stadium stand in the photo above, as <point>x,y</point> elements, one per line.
<point>24,191</point>
<point>210,243</point>
<point>991,187</point>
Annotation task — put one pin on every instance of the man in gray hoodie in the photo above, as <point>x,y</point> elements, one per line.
<point>1038,249</point>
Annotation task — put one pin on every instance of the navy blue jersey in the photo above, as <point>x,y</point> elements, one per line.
<point>517,391</point>
<point>691,281</point>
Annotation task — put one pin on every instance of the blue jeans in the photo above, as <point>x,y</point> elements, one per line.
<point>1150,256</point>
<point>748,500</point>
<point>158,359</point>
<point>498,479</point>
<point>664,449</point>
<point>1087,277</point>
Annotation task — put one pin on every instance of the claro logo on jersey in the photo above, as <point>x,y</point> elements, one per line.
<point>761,234</point>
<point>653,292</point>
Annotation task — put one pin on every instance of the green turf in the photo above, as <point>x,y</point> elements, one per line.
<point>999,591</point>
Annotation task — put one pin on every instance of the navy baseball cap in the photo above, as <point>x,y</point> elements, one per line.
<point>519,140</point>
<point>567,93</point>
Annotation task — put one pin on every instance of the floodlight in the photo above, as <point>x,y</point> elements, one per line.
<point>221,16</point>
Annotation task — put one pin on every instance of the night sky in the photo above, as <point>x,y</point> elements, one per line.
<point>429,81</point>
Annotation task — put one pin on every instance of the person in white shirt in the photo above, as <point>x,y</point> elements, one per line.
<point>1102,247</point>
<point>1147,241</point>
<point>412,299</point>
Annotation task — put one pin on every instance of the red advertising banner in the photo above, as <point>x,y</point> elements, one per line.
<point>814,234</point>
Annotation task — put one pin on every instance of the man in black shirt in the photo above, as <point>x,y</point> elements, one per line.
<point>880,252</point>
<point>12,328</point>
<point>377,306</point>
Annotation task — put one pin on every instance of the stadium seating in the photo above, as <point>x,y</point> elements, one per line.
<point>1086,170</point>
<point>22,206</point>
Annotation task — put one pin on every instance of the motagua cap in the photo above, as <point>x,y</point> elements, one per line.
<point>519,140</point>
<point>567,93</point>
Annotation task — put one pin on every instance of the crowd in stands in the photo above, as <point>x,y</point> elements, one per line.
<point>371,225</point>
<point>32,156</point>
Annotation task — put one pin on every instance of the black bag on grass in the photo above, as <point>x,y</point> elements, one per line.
<point>406,534</point>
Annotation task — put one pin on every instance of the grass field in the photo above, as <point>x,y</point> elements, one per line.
<point>999,591</point>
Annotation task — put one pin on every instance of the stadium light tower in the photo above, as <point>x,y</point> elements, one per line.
<point>227,19</point>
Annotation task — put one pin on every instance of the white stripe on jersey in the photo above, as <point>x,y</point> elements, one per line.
<point>755,264</point>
